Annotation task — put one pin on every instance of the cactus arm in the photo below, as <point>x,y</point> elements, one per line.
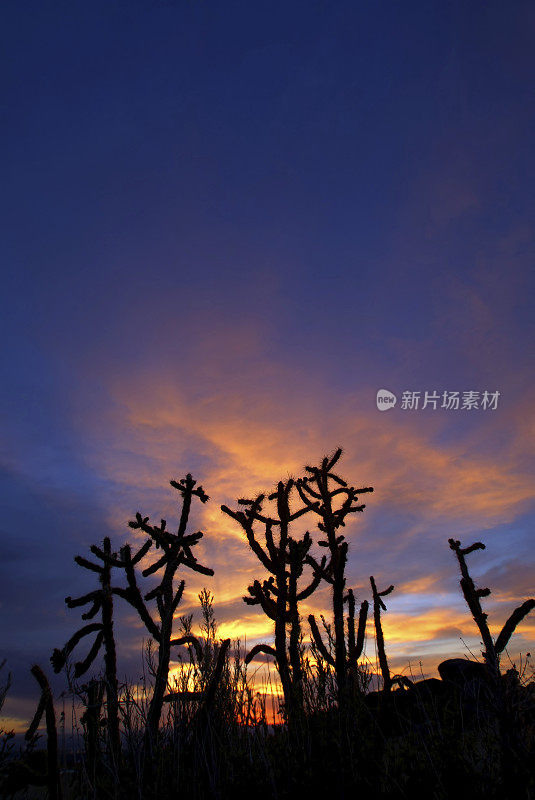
<point>81,667</point>
<point>319,641</point>
<point>189,639</point>
<point>510,626</point>
<point>260,648</point>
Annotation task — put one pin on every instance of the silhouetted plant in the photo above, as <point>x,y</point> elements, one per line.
<point>279,596</point>
<point>329,496</point>
<point>355,639</point>
<point>355,633</point>
<point>207,655</point>
<point>177,552</point>
<point>46,707</point>
<point>101,600</point>
<point>6,736</point>
<point>493,649</point>
<point>4,687</point>
<point>502,707</point>
<point>205,695</point>
<point>378,606</point>
<point>91,721</point>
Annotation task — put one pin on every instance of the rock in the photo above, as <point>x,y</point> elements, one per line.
<point>462,671</point>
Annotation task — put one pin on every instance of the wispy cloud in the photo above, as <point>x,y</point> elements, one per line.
<point>240,425</point>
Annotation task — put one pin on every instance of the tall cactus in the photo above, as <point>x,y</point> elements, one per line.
<point>101,600</point>
<point>46,707</point>
<point>493,649</point>
<point>177,552</point>
<point>378,606</point>
<point>279,596</point>
<point>510,739</point>
<point>329,496</point>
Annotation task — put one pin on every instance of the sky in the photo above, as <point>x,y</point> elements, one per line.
<point>225,227</point>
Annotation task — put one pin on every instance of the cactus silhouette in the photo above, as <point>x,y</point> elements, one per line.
<point>510,739</point>
<point>177,552</point>
<point>378,606</point>
<point>472,595</point>
<point>46,707</point>
<point>210,657</point>
<point>329,496</point>
<point>279,596</point>
<point>90,719</point>
<point>101,600</point>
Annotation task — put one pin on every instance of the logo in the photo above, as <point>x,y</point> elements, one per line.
<point>385,400</point>
<point>473,400</point>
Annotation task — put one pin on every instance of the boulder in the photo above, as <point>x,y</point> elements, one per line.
<point>462,672</point>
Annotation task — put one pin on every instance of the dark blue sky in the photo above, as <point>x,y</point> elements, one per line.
<point>224,227</point>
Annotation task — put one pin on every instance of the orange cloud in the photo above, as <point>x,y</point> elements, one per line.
<point>247,424</point>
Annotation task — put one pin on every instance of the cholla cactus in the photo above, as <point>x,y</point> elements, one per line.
<point>279,596</point>
<point>46,707</point>
<point>177,552</point>
<point>101,600</point>
<point>329,496</point>
<point>378,606</point>
<point>493,649</point>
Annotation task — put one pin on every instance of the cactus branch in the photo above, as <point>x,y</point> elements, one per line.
<point>46,705</point>
<point>472,597</point>
<point>260,648</point>
<point>316,635</point>
<point>510,626</point>
<point>378,605</point>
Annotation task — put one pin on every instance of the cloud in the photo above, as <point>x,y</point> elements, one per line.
<point>241,420</point>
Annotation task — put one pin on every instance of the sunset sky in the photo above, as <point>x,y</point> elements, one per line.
<point>225,226</point>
